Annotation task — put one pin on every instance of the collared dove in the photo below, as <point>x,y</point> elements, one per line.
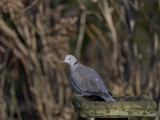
<point>85,80</point>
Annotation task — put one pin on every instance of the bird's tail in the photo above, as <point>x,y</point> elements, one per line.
<point>109,98</point>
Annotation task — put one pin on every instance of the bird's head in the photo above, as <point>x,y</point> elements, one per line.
<point>70,59</point>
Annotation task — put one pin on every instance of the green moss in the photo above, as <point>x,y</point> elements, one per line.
<point>118,109</point>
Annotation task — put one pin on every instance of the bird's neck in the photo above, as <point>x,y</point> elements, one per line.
<point>73,67</point>
<point>75,63</point>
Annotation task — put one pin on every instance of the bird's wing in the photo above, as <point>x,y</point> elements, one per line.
<point>87,80</point>
<point>74,85</point>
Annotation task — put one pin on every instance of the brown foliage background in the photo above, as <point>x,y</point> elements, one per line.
<point>119,39</point>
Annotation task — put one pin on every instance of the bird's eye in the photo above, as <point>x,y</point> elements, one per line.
<point>69,58</point>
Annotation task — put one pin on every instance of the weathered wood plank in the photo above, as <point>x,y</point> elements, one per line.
<point>140,106</point>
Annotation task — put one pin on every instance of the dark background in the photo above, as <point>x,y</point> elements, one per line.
<point>120,39</point>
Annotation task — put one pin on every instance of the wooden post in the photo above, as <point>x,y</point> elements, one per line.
<point>128,107</point>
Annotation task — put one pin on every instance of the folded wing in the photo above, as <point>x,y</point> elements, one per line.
<point>87,80</point>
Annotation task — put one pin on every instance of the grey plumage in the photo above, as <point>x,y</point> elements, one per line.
<point>85,80</point>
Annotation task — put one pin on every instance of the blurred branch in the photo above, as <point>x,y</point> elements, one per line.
<point>153,59</point>
<point>81,4</point>
<point>134,5</point>
<point>84,14</point>
<point>30,6</point>
<point>107,13</point>
<point>12,34</point>
<point>159,5</point>
<point>3,71</point>
<point>99,34</point>
<point>158,112</point>
<point>81,33</point>
<point>91,35</point>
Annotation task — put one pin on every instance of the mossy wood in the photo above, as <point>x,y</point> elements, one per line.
<point>123,107</point>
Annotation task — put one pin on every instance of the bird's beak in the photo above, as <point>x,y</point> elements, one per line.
<point>64,61</point>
